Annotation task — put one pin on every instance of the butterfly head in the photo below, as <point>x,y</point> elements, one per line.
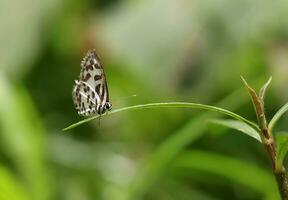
<point>108,106</point>
<point>104,108</point>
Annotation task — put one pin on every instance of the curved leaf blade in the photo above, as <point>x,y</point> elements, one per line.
<point>277,116</point>
<point>170,105</point>
<point>239,126</point>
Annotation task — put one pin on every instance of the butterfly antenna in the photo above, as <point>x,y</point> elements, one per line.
<point>128,97</point>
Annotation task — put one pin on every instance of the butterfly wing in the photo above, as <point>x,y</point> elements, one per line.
<point>90,92</point>
<point>83,99</point>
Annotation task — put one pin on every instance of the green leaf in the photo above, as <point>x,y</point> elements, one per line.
<point>170,105</point>
<point>236,170</point>
<point>281,148</point>
<point>277,116</point>
<point>240,126</point>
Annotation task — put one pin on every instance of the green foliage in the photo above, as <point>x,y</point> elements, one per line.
<point>164,51</point>
<point>282,147</point>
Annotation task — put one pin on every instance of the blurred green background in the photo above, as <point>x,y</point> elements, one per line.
<point>160,50</point>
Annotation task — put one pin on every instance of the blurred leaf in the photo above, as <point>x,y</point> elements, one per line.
<point>22,138</point>
<point>240,126</point>
<point>170,105</point>
<point>162,157</point>
<point>92,156</point>
<point>10,189</point>
<point>277,116</point>
<point>20,44</point>
<point>282,147</point>
<point>234,169</point>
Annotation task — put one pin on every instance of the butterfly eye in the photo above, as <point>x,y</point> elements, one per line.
<point>108,106</point>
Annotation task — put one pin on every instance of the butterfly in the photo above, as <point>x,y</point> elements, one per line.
<point>90,92</point>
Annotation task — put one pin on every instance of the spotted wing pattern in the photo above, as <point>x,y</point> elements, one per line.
<point>90,92</point>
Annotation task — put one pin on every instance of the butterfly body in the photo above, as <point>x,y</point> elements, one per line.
<point>90,93</point>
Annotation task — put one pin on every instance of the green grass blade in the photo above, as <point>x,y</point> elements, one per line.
<point>239,126</point>
<point>170,105</point>
<point>277,116</point>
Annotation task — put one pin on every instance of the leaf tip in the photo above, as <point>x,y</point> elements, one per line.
<point>269,81</point>
<point>262,91</point>
<point>246,84</point>
<point>244,81</point>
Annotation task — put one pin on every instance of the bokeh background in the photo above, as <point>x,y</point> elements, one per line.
<point>160,50</point>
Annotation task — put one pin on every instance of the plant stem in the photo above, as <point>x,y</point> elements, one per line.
<point>281,177</point>
<point>279,171</point>
<point>268,139</point>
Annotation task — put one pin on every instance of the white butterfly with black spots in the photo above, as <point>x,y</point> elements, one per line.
<point>90,93</point>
